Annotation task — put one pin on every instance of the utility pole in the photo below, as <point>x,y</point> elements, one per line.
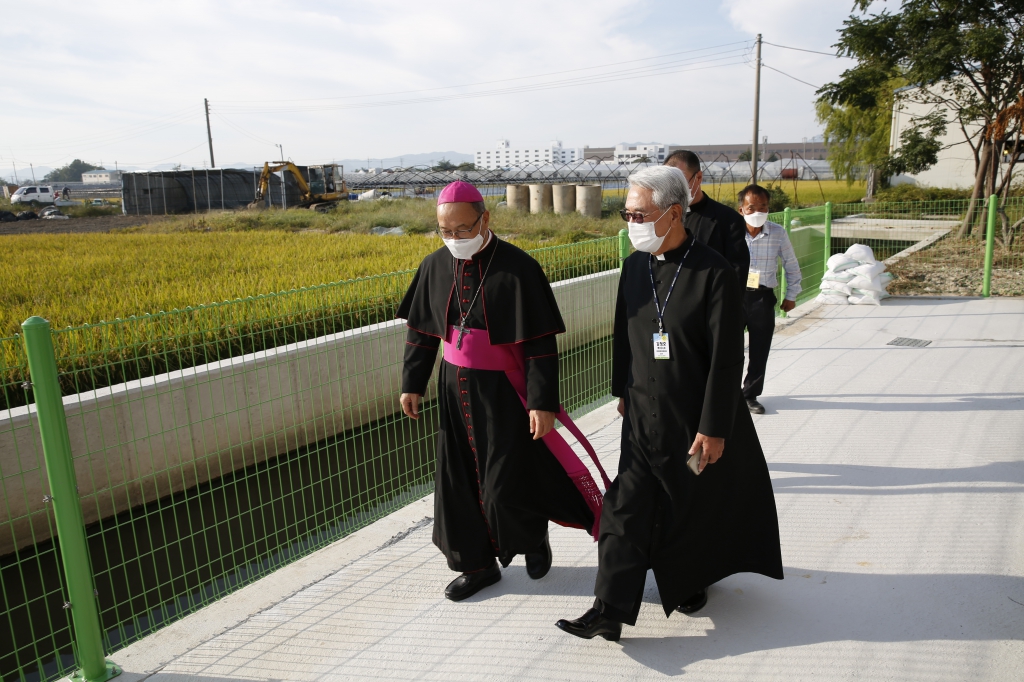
<point>281,149</point>
<point>15,173</point>
<point>757,107</point>
<point>209,135</point>
<point>33,169</point>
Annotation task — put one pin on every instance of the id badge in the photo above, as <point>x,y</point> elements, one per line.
<point>753,279</point>
<point>661,347</point>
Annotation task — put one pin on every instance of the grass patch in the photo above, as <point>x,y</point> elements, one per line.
<point>415,216</point>
<point>802,193</point>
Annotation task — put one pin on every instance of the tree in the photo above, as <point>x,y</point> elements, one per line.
<point>773,157</point>
<point>857,139</point>
<point>778,200</point>
<point>444,165</point>
<point>963,56</point>
<point>71,172</point>
<point>744,155</point>
<point>919,146</point>
<point>466,166</point>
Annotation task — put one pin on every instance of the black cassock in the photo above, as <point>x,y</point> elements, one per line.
<point>693,531</point>
<point>496,487</point>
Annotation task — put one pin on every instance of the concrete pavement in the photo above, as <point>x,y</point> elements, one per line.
<point>899,480</point>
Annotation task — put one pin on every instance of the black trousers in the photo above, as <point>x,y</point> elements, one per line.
<point>759,310</point>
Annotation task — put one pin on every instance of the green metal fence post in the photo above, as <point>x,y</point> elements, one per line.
<point>67,509</point>
<point>787,219</point>
<point>828,234</point>
<point>990,241</point>
<point>623,245</point>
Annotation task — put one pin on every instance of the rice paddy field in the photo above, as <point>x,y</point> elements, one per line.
<point>74,279</point>
<point>803,192</point>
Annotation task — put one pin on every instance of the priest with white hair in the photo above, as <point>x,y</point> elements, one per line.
<point>693,499</point>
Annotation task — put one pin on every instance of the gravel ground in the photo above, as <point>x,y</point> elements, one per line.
<point>954,267</point>
<point>79,225</point>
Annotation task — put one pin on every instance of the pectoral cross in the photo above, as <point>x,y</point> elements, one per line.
<point>462,332</point>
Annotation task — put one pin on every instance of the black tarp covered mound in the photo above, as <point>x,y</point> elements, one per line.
<point>199,190</point>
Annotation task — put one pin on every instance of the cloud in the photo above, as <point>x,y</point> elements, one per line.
<point>126,81</point>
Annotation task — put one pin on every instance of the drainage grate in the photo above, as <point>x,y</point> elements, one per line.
<point>913,343</point>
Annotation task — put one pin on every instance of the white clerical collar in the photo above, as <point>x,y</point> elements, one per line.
<point>486,242</point>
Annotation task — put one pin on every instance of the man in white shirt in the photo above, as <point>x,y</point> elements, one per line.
<point>767,242</point>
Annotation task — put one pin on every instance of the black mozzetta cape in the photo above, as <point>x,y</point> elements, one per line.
<point>517,300</point>
<point>693,530</point>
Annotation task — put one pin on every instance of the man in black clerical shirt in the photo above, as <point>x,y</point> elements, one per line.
<point>676,364</point>
<point>497,482</point>
<point>710,222</point>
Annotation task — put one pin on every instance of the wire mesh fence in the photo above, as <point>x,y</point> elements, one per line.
<point>200,190</point>
<point>940,251</point>
<point>214,445</point>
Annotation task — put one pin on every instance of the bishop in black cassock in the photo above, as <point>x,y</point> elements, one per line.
<point>682,397</point>
<point>497,484</point>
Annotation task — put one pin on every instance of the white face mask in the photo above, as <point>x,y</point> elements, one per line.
<point>644,238</point>
<point>464,248</point>
<point>756,219</point>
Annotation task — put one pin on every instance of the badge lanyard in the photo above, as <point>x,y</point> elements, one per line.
<point>661,347</point>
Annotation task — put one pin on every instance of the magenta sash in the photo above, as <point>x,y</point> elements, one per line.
<point>478,353</point>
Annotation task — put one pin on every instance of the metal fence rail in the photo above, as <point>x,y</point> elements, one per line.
<point>211,446</point>
<point>941,261</point>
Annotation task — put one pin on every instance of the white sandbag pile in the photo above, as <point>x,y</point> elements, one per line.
<point>854,277</point>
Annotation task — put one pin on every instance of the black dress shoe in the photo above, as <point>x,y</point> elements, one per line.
<point>694,603</point>
<point>591,624</point>
<point>468,584</point>
<point>539,563</point>
<point>754,406</point>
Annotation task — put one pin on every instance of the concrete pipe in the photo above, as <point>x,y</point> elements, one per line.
<point>564,198</point>
<point>518,197</point>
<point>540,199</point>
<point>588,200</point>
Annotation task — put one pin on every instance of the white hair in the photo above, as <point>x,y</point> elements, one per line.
<point>667,184</point>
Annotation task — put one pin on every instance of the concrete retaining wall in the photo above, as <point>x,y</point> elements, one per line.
<point>139,441</point>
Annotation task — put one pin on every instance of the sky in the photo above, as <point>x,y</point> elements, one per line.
<point>125,82</point>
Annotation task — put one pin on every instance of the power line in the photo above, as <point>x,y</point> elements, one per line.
<point>128,132</point>
<point>729,58</point>
<point>240,129</point>
<point>816,87</point>
<point>802,49</point>
<point>501,80</point>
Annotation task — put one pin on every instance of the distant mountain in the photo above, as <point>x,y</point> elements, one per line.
<point>407,160</point>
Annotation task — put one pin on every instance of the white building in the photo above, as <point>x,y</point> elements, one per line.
<point>955,166</point>
<point>101,177</point>
<point>630,153</point>
<point>503,156</point>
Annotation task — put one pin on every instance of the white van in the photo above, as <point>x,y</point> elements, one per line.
<point>41,194</point>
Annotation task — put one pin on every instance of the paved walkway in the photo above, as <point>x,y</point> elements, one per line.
<point>899,479</point>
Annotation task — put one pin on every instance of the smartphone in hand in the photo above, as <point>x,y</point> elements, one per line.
<point>694,462</point>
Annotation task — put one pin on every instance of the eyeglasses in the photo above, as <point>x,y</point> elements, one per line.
<point>458,234</point>
<point>633,216</point>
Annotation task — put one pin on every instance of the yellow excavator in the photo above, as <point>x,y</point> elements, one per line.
<point>326,186</point>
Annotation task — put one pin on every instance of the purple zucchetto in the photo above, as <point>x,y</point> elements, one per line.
<point>459,192</point>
